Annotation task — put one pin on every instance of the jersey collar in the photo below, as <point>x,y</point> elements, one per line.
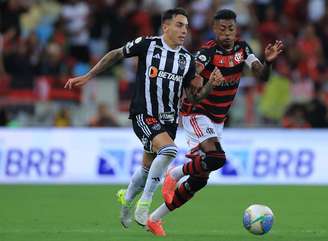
<point>168,47</point>
<point>223,50</point>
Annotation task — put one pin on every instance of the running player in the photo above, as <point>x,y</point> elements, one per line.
<point>203,122</point>
<point>164,69</point>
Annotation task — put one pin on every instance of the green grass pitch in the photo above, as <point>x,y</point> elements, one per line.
<point>81,213</point>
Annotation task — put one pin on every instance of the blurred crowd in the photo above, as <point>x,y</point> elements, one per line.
<point>43,42</point>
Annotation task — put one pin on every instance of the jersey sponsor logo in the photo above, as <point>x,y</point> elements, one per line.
<point>166,116</point>
<point>153,72</point>
<point>169,76</point>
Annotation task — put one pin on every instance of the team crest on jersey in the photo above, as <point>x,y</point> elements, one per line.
<point>182,61</point>
<point>238,57</point>
<point>151,121</point>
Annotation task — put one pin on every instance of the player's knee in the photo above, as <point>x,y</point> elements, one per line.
<point>170,150</point>
<point>214,160</point>
<point>196,183</point>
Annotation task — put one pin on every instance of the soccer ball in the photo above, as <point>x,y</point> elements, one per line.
<point>258,219</point>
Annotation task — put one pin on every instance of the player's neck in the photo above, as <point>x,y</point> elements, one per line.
<point>226,48</point>
<point>169,42</point>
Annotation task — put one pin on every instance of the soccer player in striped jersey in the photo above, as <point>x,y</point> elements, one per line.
<point>165,68</point>
<point>203,122</point>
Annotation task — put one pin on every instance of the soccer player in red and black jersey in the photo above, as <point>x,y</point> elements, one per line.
<point>203,122</point>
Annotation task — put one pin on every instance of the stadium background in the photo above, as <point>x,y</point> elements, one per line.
<point>271,136</point>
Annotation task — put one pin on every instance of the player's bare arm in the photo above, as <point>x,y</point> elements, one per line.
<point>106,61</point>
<point>271,52</point>
<point>196,94</point>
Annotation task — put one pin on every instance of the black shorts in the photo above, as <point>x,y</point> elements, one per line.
<point>147,127</point>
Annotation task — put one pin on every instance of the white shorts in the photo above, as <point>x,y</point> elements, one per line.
<point>199,128</point>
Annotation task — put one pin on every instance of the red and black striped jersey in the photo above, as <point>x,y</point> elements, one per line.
<point>218,102</point>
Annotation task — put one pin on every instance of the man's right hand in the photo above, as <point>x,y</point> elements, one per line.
<point>216,77</point>
<point>77,81</point>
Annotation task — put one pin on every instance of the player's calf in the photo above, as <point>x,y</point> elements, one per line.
<point>186,191</point>
<point>214,160</point>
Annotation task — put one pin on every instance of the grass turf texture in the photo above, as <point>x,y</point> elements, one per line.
<point>78,213</point>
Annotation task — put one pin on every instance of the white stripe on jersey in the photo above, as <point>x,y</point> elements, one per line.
<point>171,99</point>
<point>147,80</point>
<point>143,125</point>
<point>160,95</point>
<point>188,61</point>
<point>171,84</point>
<point>160,82</point>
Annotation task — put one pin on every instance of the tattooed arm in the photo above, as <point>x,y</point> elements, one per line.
<point>271,52</point>
<point>261,71</point>
<point>196,91</point>
<point>109,59</point>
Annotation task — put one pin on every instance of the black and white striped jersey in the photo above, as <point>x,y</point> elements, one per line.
<point>162,74</point>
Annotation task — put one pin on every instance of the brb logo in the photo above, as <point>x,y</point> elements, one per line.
<point>269,163</point>
<point>17,162</point>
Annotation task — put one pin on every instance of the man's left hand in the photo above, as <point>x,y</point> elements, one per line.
<point>272,51</point>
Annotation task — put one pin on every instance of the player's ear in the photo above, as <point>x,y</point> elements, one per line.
<point>165,26</point>
<point>215,26</point>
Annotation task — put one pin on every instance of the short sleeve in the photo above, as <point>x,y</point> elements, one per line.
<point>248,50</point>
<point>204,56</point>
<point>134,48</point>
<point>190,75</point>
<point>250,57</point>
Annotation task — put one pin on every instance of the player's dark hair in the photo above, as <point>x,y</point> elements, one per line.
<point>225,14</point>
<point>169,14</point>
